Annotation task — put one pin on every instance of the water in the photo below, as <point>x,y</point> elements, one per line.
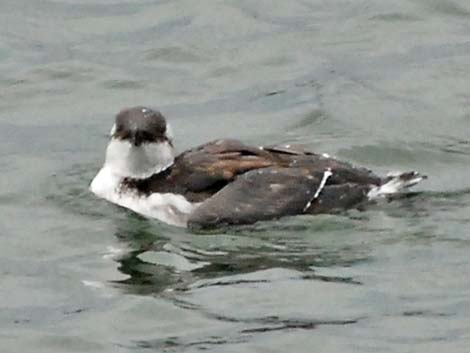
<point>381,84</point>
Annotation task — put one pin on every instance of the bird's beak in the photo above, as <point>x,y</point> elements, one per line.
<point>137,138</point>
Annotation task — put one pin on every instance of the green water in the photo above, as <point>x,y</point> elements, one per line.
<point>381,84</point>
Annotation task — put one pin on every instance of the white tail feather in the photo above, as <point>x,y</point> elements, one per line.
<point>395,182</point>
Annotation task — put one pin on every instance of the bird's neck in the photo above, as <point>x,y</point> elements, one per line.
<point>124,160</point>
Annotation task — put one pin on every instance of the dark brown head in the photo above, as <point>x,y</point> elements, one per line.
<point>140,125</point>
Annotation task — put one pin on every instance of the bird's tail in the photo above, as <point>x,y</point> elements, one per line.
<point>394,183</point>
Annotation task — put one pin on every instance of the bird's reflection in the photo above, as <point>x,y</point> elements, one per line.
<point>166,259</point>
<point>160,258</point>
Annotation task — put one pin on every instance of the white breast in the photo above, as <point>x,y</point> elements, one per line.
<point>169,208</point>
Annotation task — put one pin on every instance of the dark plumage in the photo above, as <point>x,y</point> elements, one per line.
<point>234,183</point>
<point>240,184</point>
<point>140,125</point>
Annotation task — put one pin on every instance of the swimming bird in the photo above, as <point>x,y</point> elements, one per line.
<point>226,182</point>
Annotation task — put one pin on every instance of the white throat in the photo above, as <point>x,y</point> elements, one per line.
<point>125,160</point>
<point>128,161</point>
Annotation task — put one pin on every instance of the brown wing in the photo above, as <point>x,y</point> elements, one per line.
<point>219,162</point>
<point>201,172</point>
<point>273,193</point>
<point>257,195</point>
<point>343,172</point>
<point>222,160</point>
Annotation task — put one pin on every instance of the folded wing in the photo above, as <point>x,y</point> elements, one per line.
<point>258,195</point>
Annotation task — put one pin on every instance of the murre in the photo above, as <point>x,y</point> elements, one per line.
<point>226,182</point>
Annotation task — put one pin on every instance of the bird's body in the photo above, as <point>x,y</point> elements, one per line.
<point>226,182</point>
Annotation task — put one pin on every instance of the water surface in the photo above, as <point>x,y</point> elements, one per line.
<point>382,85</point>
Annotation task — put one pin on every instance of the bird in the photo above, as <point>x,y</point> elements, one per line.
<point>226,182</point>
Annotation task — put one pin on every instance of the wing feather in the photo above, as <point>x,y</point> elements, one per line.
<point>257,195</point>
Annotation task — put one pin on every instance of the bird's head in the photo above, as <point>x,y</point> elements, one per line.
<point>140,143</point>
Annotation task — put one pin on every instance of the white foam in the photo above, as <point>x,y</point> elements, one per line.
<point>114,253</point>
<point>93,284</point>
